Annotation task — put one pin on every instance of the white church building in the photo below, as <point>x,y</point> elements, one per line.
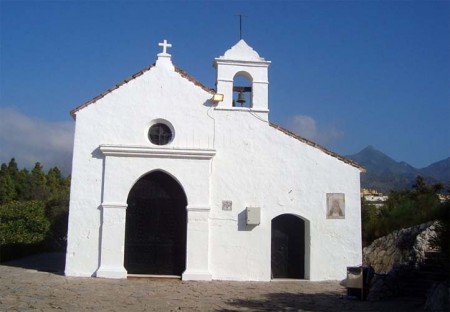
<point>173,178</point>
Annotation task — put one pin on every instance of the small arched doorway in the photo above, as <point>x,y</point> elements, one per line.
<point>288,247</point>
<point>155,230</point>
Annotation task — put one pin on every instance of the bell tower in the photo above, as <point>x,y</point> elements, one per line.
<point>242,77</point>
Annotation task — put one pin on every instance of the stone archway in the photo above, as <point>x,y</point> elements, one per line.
<point>155,230</point>
<point>288,247</point>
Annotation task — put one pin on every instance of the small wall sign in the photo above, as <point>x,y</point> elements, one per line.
<point>227,205</point>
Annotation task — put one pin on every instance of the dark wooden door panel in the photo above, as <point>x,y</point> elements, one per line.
<point>288,247</point>
<point>155,238</point>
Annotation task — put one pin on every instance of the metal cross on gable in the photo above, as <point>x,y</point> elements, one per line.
<point>165,45</point>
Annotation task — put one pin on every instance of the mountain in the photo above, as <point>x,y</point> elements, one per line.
<point>385,174</point>
<point>439,170</point>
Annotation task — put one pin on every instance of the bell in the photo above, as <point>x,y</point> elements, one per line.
<point>241,98</point>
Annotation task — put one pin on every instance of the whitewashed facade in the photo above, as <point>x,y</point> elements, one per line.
<point>224,159</point>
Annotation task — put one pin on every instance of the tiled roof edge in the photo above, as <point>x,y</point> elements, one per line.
<point>117,86</point>
<point>193,80</point>
<point>139,73</point>
<point>323,149</point>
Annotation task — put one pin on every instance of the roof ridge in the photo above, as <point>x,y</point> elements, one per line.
<point>318,146</point>
<point>178,70</point>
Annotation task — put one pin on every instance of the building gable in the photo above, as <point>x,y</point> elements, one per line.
<point>178,70</point>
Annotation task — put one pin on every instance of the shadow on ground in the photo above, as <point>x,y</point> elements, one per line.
<point>320,302</point>
<point>288,302</point>
<point>52,262</point>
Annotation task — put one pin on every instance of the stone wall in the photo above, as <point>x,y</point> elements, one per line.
<point>402,247</point>
<point>396,259</point>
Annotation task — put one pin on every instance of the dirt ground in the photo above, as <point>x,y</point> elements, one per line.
<point>25,287</point>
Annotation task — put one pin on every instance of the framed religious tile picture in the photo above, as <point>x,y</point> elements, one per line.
<point>335,206</point>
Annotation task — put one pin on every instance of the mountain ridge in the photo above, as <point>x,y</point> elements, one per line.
<point>385,174</point>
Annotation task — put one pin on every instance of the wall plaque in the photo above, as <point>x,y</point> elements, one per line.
<point>335,206</point>
<point>227,205</point>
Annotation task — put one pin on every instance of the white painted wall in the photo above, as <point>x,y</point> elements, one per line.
<point>217,154</point>
<point>257,165</point>
<point>123,117</point>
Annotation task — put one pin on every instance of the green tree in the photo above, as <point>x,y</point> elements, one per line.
<point>7,189</point>
<point>13,170</point>
<point>34,210</point>
<point>57,207</point>
<point>23,185</point>
<point>23,223</point>
<point>3,170</point>
<point>368,220</point>
<point>54,182</point>
<point>38,184</point>
<point>402,209</point>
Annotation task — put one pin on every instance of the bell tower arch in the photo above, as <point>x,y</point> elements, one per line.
<point>242,90</point>
<point>239,65</point>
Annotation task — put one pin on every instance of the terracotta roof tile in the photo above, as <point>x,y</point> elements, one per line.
<point>193,80</point>
<point>323,149</point>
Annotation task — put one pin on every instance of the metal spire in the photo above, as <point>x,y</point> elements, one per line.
<point>240,26</point>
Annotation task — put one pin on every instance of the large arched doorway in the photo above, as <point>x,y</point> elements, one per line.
<point>288,247</point>
<point>155,231</point>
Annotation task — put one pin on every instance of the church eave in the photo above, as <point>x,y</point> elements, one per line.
<point>193,80</point>
<point>181,72</point>
<point>323,149</point>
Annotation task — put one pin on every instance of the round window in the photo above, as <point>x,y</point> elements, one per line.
<point>160,134</point>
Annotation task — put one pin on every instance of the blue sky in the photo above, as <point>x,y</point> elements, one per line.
<point>346,74</point>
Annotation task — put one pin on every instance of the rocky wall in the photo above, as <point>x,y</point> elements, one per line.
<point>402,247</point>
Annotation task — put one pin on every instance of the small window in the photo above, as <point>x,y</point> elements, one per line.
<point>160,134</point>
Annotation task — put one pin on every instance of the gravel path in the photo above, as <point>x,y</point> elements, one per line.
<point>25,289</point>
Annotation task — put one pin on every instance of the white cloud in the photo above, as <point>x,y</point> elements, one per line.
<point>30,140</point>
<point>307,127</point>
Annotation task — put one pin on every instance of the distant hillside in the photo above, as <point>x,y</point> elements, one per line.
<point>439,170</point>
<point>385,174</point>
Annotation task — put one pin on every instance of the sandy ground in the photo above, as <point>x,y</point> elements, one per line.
<point>23,287</point>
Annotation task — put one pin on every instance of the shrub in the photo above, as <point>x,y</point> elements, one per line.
<point>23,223</point>
<point>403,209</point>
